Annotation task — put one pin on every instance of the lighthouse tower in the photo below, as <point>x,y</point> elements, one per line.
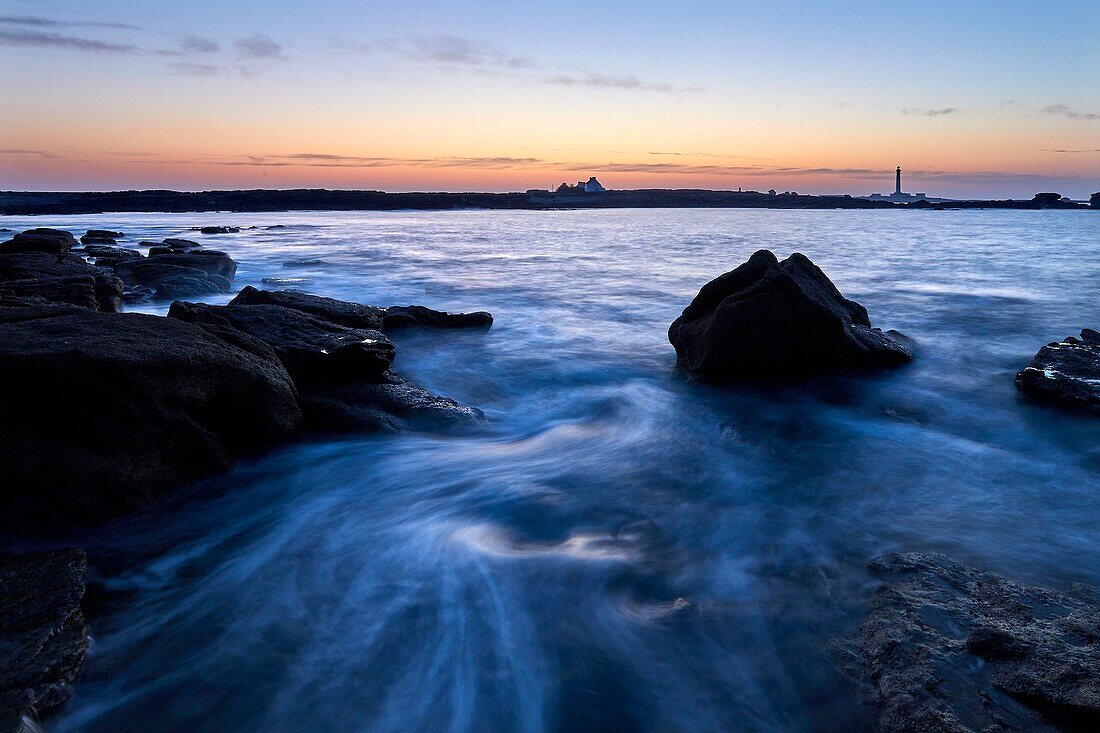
<point>897,182</point>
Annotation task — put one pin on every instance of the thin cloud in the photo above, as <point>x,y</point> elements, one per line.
<point>36,22</point>
<point>930,111</point>
<point>184,68</point>
<point>199,44</point>
<point>1070,150</point>
<point>610,81</point>
<point>449,50</point>
<point>42,39</point>
<point>260,47</point>
<point>24,153</point>
<point>1062,110</point>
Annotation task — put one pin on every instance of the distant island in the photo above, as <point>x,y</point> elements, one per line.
<point>566,197</point>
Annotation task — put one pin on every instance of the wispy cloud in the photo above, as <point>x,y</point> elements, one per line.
<point>930,111</point>
<point>24,153</point>
<point>37,22</point>
<point>199,44</point>
<point>1062,110</point>
<point>612,81</point>
<point>451,50</point>
<point>259,47</point>
<point>23,38</point>
<point>1071,150</point>
<point>184,68</point>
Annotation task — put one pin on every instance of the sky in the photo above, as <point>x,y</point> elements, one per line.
<point>972,99</point>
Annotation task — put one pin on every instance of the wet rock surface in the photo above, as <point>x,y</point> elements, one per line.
<point>43,637</point>
<point>50,241</point>
<point>38,278</point>
<point>946,647</point>
<point>770,319</point>
<point>179,274</point>
<point>314,351</point>
<point>1066,372</point>
<point>106,412</point>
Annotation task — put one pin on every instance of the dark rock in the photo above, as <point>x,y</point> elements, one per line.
<point>1066,373</point>
<point>60,278</point>
<point>1094,201</point>
<point>390,405</point>
<point>303,263</point>
<point>179,275</point>
<point>314,351</point>
<point>352,315</point>
<point>286,281</point>
<point>109,251</point>
<point>104,413</point>
<point>1046,199</point>
<point>771,319</point>
<point>418,315</point>
<point>181,244</point>
<point>945,647</point>
<point>50,241</point>
<point>218,230</point>
<point>43,637</point>
<point>103,234</point>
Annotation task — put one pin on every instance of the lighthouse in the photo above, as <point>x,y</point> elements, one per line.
<point>897,182</point>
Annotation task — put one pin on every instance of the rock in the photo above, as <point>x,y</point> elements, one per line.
<point>103,234</point>
<point>945,647</point>
<point>103,413</point>
<point>352,315</point>
<point>315,351</point>
<point>286,281</point>
<point>218,230</point>
<point>1066,373</point>
<point>303,263</point>
<point>418,315</point>
<point>771,319</point>
<point>50,241</point>
<point>60,278</point>
<point>355,315</point>
<point>110,252</point>
<point>43,637</point>
<point>180,275</point>
<point>1094,201</point>
<point>391,405</point>
<point>181,244</point>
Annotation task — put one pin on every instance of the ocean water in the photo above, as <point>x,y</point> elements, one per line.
<point>619,549</point>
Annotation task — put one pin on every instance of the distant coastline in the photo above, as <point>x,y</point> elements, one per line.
<point>260,200</point>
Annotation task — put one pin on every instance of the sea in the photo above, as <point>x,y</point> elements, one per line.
<point>619,549</point>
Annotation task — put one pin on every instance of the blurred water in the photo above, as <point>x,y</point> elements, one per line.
<point>621,550</point>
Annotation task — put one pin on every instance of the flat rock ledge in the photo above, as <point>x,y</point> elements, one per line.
<point>1066,372</point>
<point>945,647</point>
<point>774,320</point>
<point>43,637</point>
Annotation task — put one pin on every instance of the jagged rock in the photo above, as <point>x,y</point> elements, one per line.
<point>104,413</point>
<point>218,230</point>
<point>314,351</point>
<point>391,405</point>
<point>1066,373</point>
<point>352,315</point>
<point>43,637</point>
<point>50,241</point>
<point>772,319</point>
<point>57,278</point>
<point>945,647</point>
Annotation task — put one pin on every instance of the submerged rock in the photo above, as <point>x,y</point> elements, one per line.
<point>110,252</point>
<point>103,234</point>
<point>103,413</point>
<point>945,647</point>
<point>303,263</point>
<point>50,241</point>
<point>180,275</point>
<point>314,351</point>
<point>1066,373</point>
<point>218,230</point>
<point>418,315</point>
<point>183,245</point>
<point>43,637</point>
<point>772,319</point>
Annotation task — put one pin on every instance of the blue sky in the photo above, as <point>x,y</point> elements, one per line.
<point>977,98</point>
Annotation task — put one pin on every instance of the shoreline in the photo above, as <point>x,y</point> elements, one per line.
<point>29,203</point>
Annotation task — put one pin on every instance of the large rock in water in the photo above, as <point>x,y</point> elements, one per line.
<point>179,275</point>
<point>314,351</point>
<point>945,647</point>
<point>390,405</point>
<point>43,637</point>
<point>777,319</point>
<point>103,413</point>
<point>38,277</point>
<point>1067,373</point>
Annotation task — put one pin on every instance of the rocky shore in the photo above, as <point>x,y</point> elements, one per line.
<point>106,412</point>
